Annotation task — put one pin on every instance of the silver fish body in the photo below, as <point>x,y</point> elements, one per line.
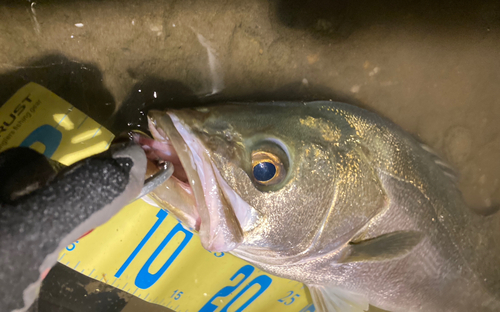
<point>357,209</point>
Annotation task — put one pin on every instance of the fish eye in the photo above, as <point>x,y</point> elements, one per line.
<point>264,171</point>
<point>267,168</point>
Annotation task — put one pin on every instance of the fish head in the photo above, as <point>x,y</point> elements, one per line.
<point>265,177</point>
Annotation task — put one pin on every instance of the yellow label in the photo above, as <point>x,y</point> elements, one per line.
<point>37,118</point>
<point>142,250</point>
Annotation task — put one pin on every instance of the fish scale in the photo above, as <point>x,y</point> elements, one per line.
<point>383,224</point>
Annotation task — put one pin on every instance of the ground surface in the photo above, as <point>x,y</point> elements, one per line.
<point>433,67</point>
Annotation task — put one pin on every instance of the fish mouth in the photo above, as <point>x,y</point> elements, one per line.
<point>196,194</point>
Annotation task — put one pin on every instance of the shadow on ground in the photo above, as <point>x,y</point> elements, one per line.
<point>76,82</point>
<point>340,18</point>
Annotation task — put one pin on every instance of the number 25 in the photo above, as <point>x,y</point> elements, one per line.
<point>288,299</point>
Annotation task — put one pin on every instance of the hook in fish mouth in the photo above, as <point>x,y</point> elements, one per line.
<point>165,168</point>
<point>176,192</point>
<point>157,179</point>
<point>195,193</point>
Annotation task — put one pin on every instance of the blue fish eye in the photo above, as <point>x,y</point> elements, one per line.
<point>264,171</point>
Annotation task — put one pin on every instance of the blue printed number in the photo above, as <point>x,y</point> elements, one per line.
<point>144,279</point>
<point>246,271</point>
<point>72,246</point>
<point>289,299</point>
<point>48,136</point>
<point>218,254</point>
<point>177,294</point>
<point>263,281</point>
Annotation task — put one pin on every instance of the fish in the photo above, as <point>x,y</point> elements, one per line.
<point>330,195</point>
<point>45,206</point>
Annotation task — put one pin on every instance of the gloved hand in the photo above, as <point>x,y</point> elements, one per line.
<point>44,208</point>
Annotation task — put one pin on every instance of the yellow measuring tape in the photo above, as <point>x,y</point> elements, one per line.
<point>142,249</point>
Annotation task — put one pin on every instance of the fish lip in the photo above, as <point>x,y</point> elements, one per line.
<point>171,134</point>
<point>218,227</point>
<point>191,173</point>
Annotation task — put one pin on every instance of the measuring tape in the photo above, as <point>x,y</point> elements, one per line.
<point>142,250</point>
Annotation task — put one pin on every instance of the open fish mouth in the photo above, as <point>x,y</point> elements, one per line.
<point>196,194</point>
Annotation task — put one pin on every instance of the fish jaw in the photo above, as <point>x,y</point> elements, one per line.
<point>216,213</point>
<point>175,192</point>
